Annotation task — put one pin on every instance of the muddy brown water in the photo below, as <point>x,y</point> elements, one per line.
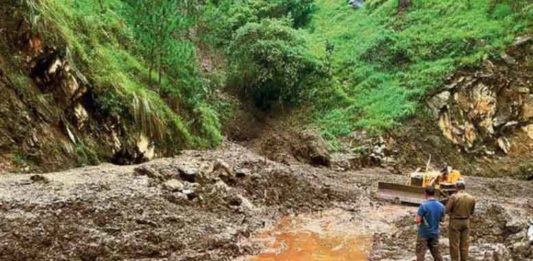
<point>326,236</point>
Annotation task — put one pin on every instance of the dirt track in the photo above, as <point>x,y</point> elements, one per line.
<point>215,205</point>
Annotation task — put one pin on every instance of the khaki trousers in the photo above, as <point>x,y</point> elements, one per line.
<point>459,231</point>
<point>422,245</point>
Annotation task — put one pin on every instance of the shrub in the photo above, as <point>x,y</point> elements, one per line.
<point>273,62</point>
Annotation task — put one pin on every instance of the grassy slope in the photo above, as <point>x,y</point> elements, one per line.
<point>103,48</point>
<point>384,62</point>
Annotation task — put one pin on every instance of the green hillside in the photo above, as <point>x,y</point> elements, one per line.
<point>382,60</point>
<point>385,61</point>
<point>140,61</point>
<point>164,69</point>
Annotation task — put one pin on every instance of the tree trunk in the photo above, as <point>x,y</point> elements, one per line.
<point>403,5</point>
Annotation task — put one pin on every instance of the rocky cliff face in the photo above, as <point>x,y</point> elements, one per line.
<point>484,111</point>
<point>48,115</point>
<point>480,121</point>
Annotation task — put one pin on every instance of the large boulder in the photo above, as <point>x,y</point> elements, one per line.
<point>312,149</point>
<point>187,172</point>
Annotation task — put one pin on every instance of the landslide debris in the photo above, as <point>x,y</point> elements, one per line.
<point>208,205</point>
<point>196,206</point>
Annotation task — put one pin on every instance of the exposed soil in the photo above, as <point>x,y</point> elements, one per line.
<point>223,204</point>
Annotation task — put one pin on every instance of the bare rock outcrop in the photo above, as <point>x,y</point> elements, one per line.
<point>485,108</point>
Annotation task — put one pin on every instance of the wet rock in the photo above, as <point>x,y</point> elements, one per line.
<point>313,150</point>
<point>521,40</point>
<point>507,58</point>
<point>148,171</point>
<point>499,121</point>
<point>223,166</point>
<point>504,144</point>
<point>81,116</point>
<point>190,193</point>
<point>39,179</point>
<point>483,102</point>
<point>145,147</point>
<point>141,150</point>
<point>221,187</point>
<point>359,136</point>
<point>190,190</point>
<point>523,90</point>
<point>242,172</point>
<point>188,173</point>
<point>346,161</point>
<point>234,200</point>
<point>437,102</point>
<point>356,3</point>
<point>173,185</point>
<point>70,134</point>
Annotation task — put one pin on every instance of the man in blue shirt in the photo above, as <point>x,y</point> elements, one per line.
<point>430,214</point>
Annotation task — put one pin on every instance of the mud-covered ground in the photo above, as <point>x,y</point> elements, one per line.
<point>214,205</point>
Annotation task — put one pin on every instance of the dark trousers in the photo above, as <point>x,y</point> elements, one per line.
<point>459,230</point>
<point>422,245</point>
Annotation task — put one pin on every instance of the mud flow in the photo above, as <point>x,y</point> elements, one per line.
<point>326,236</point>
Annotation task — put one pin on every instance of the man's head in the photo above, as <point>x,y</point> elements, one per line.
<point>460,185</point>
<point>430,192</point>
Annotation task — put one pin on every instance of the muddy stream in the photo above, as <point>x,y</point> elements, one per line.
<point>334,234</point>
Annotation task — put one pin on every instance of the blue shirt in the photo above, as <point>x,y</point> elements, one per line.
<point>432,213</point>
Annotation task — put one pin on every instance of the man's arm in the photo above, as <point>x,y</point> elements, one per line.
<point>419,215</point>
<point>473,207</point>
<point>418,219</point>
<point>449,204</point>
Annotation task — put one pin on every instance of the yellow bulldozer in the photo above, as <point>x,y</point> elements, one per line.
<point>413,193</point>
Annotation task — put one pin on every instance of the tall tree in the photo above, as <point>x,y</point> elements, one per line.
<point>158,25</point>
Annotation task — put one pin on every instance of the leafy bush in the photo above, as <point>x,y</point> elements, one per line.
<point>299,11</point>
<point>501,11</point>
<point>271,62</point>
<point>221,19</point>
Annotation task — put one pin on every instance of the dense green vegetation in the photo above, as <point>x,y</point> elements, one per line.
<point>366,68</point>
<point>141,63</point>
<point>385,61</point>
<point>269,62</point>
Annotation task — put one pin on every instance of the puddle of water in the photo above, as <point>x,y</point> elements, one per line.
<point>308,246</point>
<point>330,236</point>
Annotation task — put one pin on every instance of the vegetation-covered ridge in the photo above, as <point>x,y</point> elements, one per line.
<point>386,59</point>
<point>368,68</point>
<point>157,67</point>
<point>141,61</point>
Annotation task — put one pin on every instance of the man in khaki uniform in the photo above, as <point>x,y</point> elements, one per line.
<point>460,207</point>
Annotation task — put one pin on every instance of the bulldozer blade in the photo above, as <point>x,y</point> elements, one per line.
<point>400,193</point>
